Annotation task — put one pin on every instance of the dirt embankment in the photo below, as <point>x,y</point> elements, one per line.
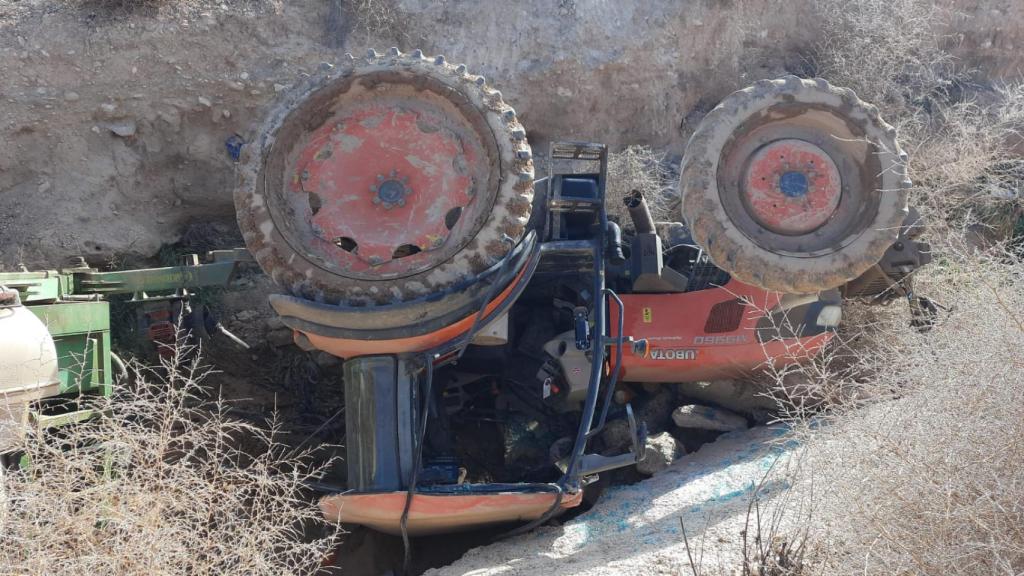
<point>113,124</point>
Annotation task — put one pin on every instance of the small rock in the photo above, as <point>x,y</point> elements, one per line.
<point>44,187</point>
<point>171,117</point>
<point>616,437</point>
<point>245,315</point>
<point>708,418</point>
<point>279,87</point>
<point>622,396</point>
<point>108,108</point>
<point>205,101</point>
<point>71,96</point>
<point>655,409</point>
<point>244,75</point>
<point>225,113</point>
<point>124,129</point>
<point>281,338</point>
<point>662,450</point>
<point>274,323</point>
<point>740,396</point>
<point>238,86</point>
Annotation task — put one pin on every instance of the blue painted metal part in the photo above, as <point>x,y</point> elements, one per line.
<point>793,184</point>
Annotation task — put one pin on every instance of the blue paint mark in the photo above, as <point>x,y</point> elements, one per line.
<point>634,500</point>
<point>793,184</point>
<point>234,146</point>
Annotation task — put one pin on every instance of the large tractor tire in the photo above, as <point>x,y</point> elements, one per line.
<point>794,185</point>
<point>385,180</point>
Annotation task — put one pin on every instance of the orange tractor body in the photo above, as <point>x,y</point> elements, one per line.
<point>488,319</point>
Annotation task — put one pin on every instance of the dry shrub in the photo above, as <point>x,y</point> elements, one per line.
<point>968,167</point>
<point>885,50</point>
<point>164,483</point>
<point>927,478</point>
<point>365,22</point>
<point>963,139</point>
<point>913,442</point>
<point>376,18</point>
<point>641,168</point>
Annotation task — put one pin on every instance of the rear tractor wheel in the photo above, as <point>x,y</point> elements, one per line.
<point>386,180</point>
<point>794,185</point>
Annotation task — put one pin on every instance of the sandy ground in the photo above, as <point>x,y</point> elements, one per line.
<point>635,530</point>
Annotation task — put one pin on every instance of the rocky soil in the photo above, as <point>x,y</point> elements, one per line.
<point>115,113</point>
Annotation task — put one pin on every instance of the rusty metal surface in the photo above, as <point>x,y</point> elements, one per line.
<point>856,203</point>
<point>391,183</point>
<point>448,141</point>
<point>791,187</point>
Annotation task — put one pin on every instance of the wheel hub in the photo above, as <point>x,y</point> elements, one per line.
<point>791,187</point>
<point>390,193</point>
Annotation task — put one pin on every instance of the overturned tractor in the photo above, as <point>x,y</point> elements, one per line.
<point>483,312</point>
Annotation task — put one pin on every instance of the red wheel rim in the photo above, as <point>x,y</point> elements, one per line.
<point>387,185</point>
<point>791,187</point>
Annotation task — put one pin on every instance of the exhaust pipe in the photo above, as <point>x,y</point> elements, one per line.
<point>639,213</point>
<point>647,266</point>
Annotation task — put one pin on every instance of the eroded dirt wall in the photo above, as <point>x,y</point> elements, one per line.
<point>112,126</point>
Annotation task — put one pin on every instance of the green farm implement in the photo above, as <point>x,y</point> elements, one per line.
<point>55,332</point>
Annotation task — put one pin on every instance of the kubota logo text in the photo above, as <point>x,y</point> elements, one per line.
<point>673,354</point>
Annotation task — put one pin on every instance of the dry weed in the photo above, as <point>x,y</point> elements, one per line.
<point>929,481</point>
<point>885,50</point>
<point>913,442</point>
<point>375,18</point>
<point>964,141</point>
<point>641,168</point>
<point>967,164</point>
<point>163,483</point>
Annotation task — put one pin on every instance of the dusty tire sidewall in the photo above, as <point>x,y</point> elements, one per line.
<point>301,276</point>
<point>749,262</point>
